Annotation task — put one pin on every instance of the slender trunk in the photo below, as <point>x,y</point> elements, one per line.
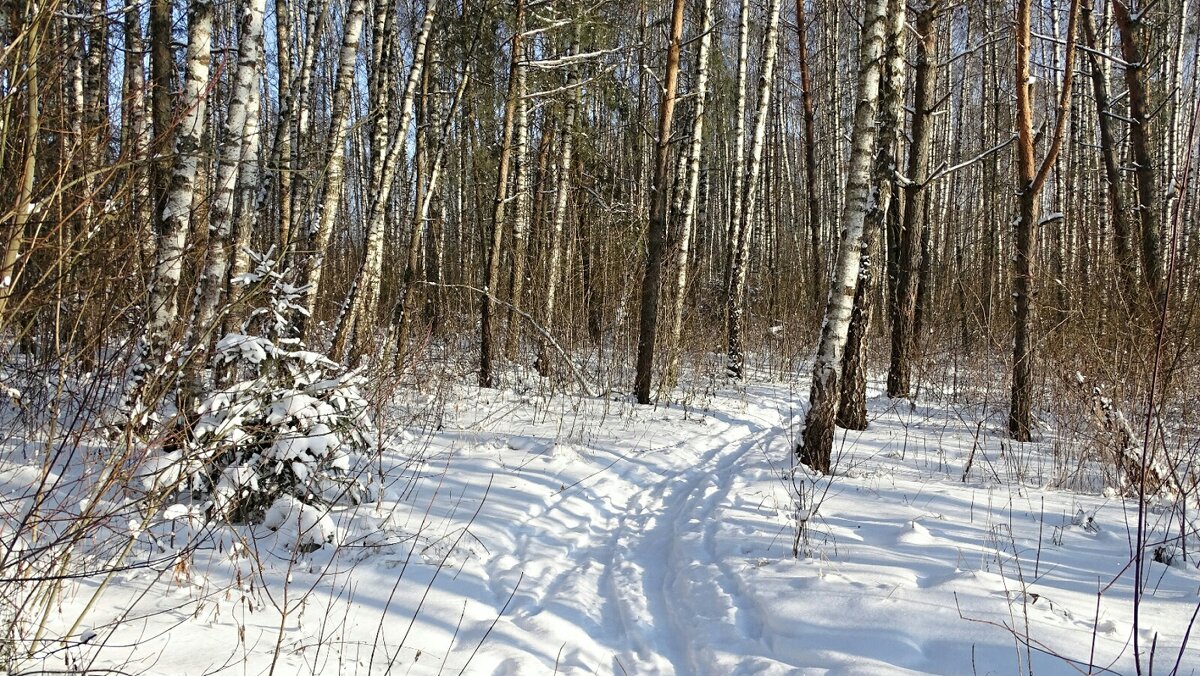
<point>24,206</point>
<point>739,141</point>
<point>1030,180</point>
<point>492,280</point>
<point>687,219</point>
<point>137,135</point>
<point>559,217</point>
<point>319,237</point>
<point>235,139</point>
<point>353,332</point>
<point>1126,261</point>
<point>655,249</point>
<point>162,75</point>
<point>912,221</point>
<point>520,233</point>
<point>812,197</point>
<point>1140,140</point>
<point>816,446</point>
<point>735,305</point>
<point>176,213</point>
<point>852,408</point>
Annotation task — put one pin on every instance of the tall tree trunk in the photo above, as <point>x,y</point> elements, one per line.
<point>1140,140</point>
<point>491,284</point>
<point>1030,180</point>
<point>852,409</point>
<point>912,222</point>
<point>521,206</point>
<point>331,199</point>
<point>559,217</point>
<point>213,278</point>
<point>735,305</point>
<point>353,332</point>
<point>137,135</point>
<point>739,143</point>
<point>162,76</point>
<point>176,213</point>
<point>812,197</point>
<point>816,444</point>
<point>687,219</point>
<point>1126,261</point>
<point>652,280</point>
<point>23,209</point>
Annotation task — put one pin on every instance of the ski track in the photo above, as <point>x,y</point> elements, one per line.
<point>649,557</point>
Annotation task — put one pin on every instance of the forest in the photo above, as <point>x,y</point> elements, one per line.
<point>599,336</point>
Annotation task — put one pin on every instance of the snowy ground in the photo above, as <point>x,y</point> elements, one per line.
<point>525,534</point>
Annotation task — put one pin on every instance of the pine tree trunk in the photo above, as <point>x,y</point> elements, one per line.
<point>816,445</point>
<point>656,245</point>
<point>735,359</point>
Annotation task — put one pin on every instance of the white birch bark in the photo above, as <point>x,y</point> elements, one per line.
<point>354,327</point>
<point>745,215</point>
<point>234,147</point>
<point>331,199</point>
<point>559,217</point>
<point>177,210</point>
<point>816,445</point>
<point>691,190</point>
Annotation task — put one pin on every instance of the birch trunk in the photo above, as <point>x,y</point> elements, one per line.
<point>852,409</point>
<point>739,144</point>
<point>652,281</point>
<point>912,223</point>
<point>176,211</point>
<point>331,199</point>
<point>356,328</point>
<point>812,198</point>
<point>735,363</point>
<point>520,233</point>
<point>492,279</point>
<point>137,134</point>
<point>692,189</point>
<point>234,142</point>
<point>559,216</point>
<point>816,446</point>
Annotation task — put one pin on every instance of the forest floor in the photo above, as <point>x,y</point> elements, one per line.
<point>522,533</point>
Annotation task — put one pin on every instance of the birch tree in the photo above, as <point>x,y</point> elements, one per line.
<point>492,272</point>
<point>816,445</point>
<point>735,360</point>
<point>339,125</point>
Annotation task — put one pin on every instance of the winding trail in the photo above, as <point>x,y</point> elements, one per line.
<point>629,557</point>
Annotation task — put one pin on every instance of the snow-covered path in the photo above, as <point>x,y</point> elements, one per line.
<point>525,534</point>
<point>629,555</point>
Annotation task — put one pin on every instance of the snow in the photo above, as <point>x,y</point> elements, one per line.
<point>536,534</point>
